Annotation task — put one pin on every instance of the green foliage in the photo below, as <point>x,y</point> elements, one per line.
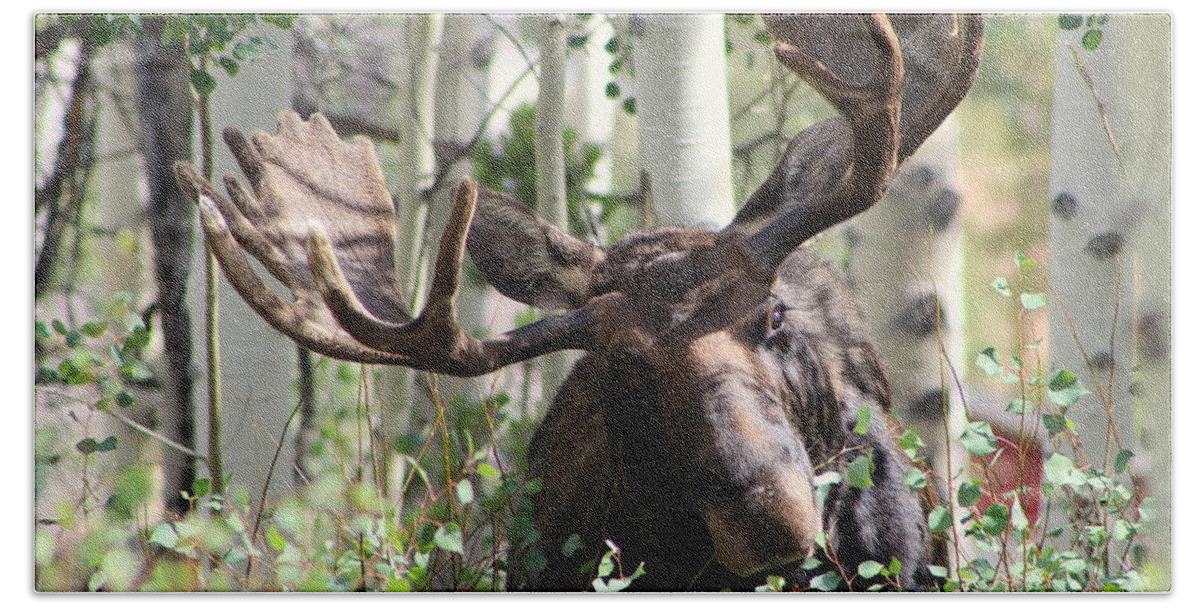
<point>1092,36</point>
<point>1089,537</point>
<point>222,39</point>
<point>610,575</point>
<point>508,166</point>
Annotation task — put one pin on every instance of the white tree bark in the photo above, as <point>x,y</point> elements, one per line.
<point>683,116</point>
<point>906,270</point>
<point>550,160</point>
<point>588,110</point>
<point>461,105</point>
<point>1109,265</point>
<point>399,398</point>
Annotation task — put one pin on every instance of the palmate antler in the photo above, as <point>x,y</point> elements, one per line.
<point>314,194</point>
<point>320,219</point>
<point>893,79</point>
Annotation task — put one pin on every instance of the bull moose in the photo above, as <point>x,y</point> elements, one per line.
<point>722,369</point>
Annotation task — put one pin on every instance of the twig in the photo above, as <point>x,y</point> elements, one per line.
<point>1100,105</point>
<point>149,433</point>
<point>262,497</point>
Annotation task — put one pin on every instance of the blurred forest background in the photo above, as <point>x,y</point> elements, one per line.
<point>1016,277</point>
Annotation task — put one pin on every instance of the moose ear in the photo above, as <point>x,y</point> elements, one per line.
<point>526,258</point>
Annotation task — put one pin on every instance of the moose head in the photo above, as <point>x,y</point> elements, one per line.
<point>722,369</point>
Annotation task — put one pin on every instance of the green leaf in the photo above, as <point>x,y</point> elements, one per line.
<point>938,571</point>
<point>1023,261</point>
<point>869,569</point>
<point>464,491</point>
<point>939,519</point>
<point>630,106</point>
<point>576,41</point>
<point>203,82</point>
<point>1070,22</point>
<point>978,438</point>
<point>1062,380</point>
<point>829,581</point>
<point>86,446</point>
<point>824,483</point>
<point>1033,301</point>
<point>1091,39</point>
<point>125,399</point>
<point>612,90</point>
<point>1016,406</point>
<point>1121,463</point>
<point>864,421</point>
<point>281,20</point>
<point>606,565</point>
<point>574,544</point>
<point>915,479</point>
<point>94,329</point>
<point>1123,530</point>
<point>1065,389</point>
<point>1057,423</point>
<point>911,443</point>
<point>59,326</point>
<point>107,445</point>
<point>859,473</point>
<point>987,361</point>
<point>969,493</point>
<point>995,519</point>
<point>275,538</point>
<point>201,487</point>
<point>230,66</point>
<point>165,535</point>
<point>1059,470</point>
<point>487,470</point>
<point>137,371</point>
<point>245,52</point>
<point>449,537</point>
<point>1001,287</point>
<point>138,338</point>
<point>774,583</point>
<point>613,45</point>
<point>1020,521</point>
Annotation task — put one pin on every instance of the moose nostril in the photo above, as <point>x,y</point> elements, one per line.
<point>776,521</point>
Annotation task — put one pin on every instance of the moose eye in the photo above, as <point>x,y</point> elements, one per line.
<point>775,319</point>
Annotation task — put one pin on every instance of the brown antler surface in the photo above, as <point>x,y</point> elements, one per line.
<point>320,221</point>
<point>893,79</point>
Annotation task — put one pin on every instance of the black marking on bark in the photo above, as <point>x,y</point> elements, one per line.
<point>928,406</point>
<point>1065,206</point>
<point>1105,245</point>
<point>942,208</point>
<point>1101,360</point>
<point>921,316</point>
<point>1153,336</point>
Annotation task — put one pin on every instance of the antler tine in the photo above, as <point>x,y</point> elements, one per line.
<point>838,168</point>
<point>434,341</point>
<point>436,323</point>
<point>303,323</point>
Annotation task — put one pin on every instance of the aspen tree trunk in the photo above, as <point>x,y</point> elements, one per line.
<point>551,163</point>
<point>683,116</point>
<point>1149,158</point>
<point>399,398</point>
<point>588,110</point>
<point>461,105</point>
<point>906,272</point>
<point>1109,265</point>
